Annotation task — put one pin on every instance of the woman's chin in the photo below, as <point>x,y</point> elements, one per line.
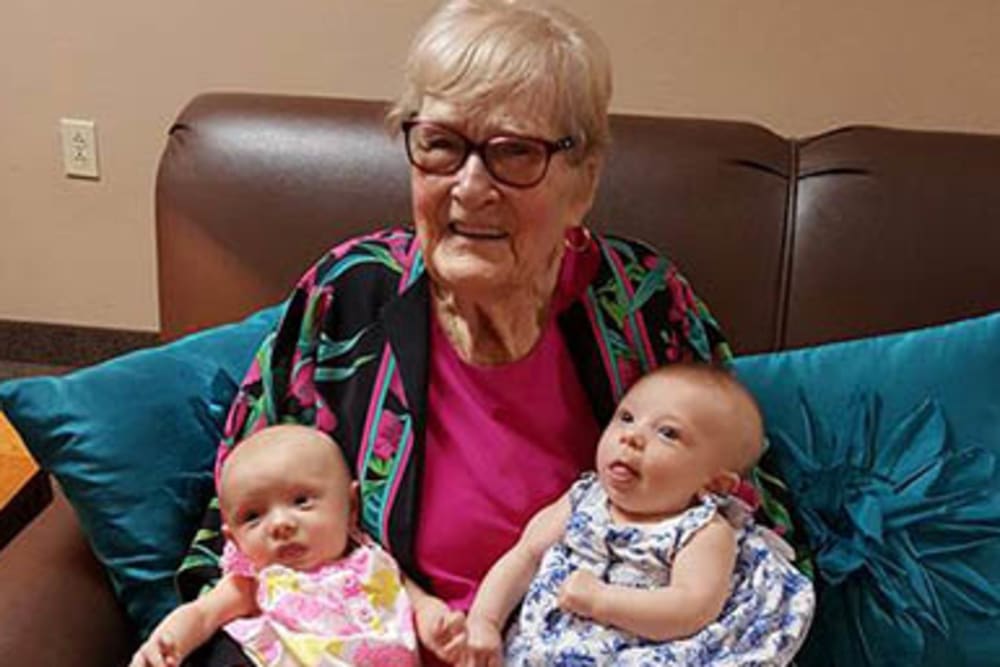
<point>471,273</point>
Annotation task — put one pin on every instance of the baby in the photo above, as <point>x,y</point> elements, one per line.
<point>300,586</point>
<point>649,560</point>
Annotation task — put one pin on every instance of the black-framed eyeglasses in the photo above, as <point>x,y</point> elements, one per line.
<point>511,159</point>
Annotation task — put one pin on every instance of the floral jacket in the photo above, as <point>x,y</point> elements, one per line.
<point>350,357</point>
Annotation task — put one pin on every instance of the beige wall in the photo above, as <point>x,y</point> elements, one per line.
<point>83,252</point>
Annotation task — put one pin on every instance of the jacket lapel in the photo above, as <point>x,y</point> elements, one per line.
<point>406,323</point>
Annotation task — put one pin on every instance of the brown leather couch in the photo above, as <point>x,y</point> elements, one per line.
<point>792,242</point>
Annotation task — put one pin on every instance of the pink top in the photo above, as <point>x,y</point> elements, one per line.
<point>502,442</point>
<point>351,611</point>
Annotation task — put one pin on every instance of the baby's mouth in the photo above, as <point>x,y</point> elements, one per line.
<point>478,232</point>
<point>621,473</point>
<point>289,553</point>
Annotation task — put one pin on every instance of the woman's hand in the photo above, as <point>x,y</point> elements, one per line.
<point>160,650</point>
<point>440,628</point>
<point>579,593</point>
<point>484,643</point>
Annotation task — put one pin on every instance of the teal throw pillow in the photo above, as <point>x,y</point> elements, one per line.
<point>132,442</point>
<point>889,448</point>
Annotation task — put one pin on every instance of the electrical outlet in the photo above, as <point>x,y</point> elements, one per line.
<point>79,147</point>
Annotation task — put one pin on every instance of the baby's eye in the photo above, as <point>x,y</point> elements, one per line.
<point>302,500</point>
<point>250,517</point>
<point>668,433</point>
<point>625,417</point>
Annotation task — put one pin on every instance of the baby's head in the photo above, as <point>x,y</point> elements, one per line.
<point>286,497</point>
<point>680,431</point>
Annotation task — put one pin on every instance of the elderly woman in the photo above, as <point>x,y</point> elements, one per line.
<point>467,364</point>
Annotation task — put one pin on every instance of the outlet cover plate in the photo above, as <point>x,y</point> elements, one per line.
<point>79,147</point>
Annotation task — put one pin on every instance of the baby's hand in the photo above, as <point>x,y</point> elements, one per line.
<point>579,592</point>
<point>159,650</point>
<point>483,646</point>
<point>441,629</point>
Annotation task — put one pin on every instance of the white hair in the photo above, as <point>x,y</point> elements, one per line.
<point>478,53</point>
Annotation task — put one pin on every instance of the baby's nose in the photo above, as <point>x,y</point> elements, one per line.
<point>631,438</point>
<point>282,526</point>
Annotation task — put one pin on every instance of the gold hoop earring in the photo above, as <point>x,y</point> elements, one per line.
<point>578,238</point>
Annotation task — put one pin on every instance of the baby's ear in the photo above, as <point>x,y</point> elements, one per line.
<point>724,483</point>
<point>226,532</point>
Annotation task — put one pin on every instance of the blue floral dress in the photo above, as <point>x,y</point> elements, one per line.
<point>763,622</point>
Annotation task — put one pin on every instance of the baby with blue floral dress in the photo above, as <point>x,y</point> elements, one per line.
<point>650,559</point>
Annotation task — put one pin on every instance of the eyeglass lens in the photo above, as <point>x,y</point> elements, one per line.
<point>518,161</point>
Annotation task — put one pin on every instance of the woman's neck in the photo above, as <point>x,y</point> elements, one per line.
<point>498,328</point>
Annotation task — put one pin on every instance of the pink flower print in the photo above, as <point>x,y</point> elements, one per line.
<point>257,424</point>
<point>359,562</point>
<point>628,371</point>
<point>315,313</point>
<point>673,348</point>
<point>253,374</point>
<point>681,302</point>
<point>398,245</point>
<point>234,561</point>
<point>298,611</point>
<point>747,492</point>
<point>650,261</point>
<point>351,586</point>
<point>342,250</point>
<point>380,655</point>
<point>364,614</point>
<point>390,429</point>
<point>326,421</point>
<point>303,387</point>
<point>238,413</point>
<point>308,280</point>
<point>271,652</point>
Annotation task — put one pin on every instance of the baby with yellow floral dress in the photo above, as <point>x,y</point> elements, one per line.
<point>300,586</point>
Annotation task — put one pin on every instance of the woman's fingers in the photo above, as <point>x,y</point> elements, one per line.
<point>453,623</point>
<point>451,637</point>
<point>453,650</point>
<point>447,626</point>
<point>480,656</point>
<point>168,650</point>
<point>491,659</point>
<point>148,655</point>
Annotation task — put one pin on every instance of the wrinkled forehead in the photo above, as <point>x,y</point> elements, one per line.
<point>525,116</point>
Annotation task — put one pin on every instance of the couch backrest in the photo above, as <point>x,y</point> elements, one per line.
<point>893,229</point>
<point>854,232</point>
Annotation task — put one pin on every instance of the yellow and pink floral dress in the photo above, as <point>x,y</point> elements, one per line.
<point>353,611</point>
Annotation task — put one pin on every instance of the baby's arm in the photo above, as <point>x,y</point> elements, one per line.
<point>439,628</point>
<point>699,586</point>
<point>508,580</point>
<point>189,626</point>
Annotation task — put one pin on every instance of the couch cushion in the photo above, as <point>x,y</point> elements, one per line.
<point>890,448</point>
<point>132,443</point>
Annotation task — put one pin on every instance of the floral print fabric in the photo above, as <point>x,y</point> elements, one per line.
<point>351,612</point>
<point>350,357</point>
<point>763,622</point>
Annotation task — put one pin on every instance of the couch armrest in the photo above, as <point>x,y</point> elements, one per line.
<point>58,607</point>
